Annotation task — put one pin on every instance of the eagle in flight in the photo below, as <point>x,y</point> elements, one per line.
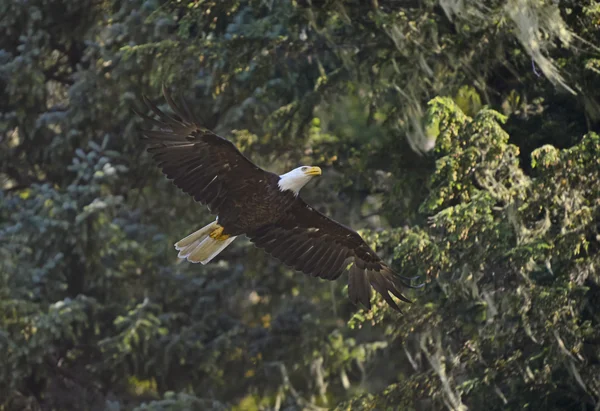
<point>262,205</point>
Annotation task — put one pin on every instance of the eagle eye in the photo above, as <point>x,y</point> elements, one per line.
<point>304,168</point>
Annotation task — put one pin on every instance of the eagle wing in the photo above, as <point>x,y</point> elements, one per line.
<point>199,162</point>
<point>313,243</point>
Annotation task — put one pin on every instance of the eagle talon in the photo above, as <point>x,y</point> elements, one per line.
<point>217,234</point>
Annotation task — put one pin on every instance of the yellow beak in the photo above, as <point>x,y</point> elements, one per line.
<point>313,171</point>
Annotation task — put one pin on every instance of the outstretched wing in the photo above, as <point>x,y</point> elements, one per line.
<point>311,242</point>
<point>199,162</point>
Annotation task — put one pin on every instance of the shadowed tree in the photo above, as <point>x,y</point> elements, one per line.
<point>460,140</point>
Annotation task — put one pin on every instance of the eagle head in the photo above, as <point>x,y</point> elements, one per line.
<point>297,178</point>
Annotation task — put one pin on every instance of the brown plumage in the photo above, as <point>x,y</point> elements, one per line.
<point>263,206</point>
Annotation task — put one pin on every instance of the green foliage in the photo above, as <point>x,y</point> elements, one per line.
<point>449,136</point>
<point>513,261</point>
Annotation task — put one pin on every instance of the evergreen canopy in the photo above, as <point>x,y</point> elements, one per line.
<point>460,138</point>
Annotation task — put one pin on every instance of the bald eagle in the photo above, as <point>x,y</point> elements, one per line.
<point>262,205</point>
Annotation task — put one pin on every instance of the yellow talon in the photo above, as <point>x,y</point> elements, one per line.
<point>217,234</point>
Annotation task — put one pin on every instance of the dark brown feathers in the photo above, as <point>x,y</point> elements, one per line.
<point>247,200</point>
<point>199,162</point>
<point>311,242</point>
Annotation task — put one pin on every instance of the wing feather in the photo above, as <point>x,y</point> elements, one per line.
<point>320,262</point>
<point>359,289</point>
<point>295,259</point>
<point>284,247</point>
<point>316,254</point>
<point>327,267</point>
<point>340,264</point>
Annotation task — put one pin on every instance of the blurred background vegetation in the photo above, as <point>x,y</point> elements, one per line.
<point>458,136</point>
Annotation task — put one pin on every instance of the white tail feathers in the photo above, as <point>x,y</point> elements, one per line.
<point>199,247</point>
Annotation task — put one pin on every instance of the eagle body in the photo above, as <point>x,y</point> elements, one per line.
<point>260,202</point>
<point>264,206</point>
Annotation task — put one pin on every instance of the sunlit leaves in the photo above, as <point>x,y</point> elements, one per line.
<point>494,231</point>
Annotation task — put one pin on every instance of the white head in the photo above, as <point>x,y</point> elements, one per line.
<point>297,178</point>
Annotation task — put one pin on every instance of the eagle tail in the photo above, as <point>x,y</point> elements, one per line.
<point>201,246</point>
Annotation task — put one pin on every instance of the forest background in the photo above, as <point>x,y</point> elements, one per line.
<point>457,136</point>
